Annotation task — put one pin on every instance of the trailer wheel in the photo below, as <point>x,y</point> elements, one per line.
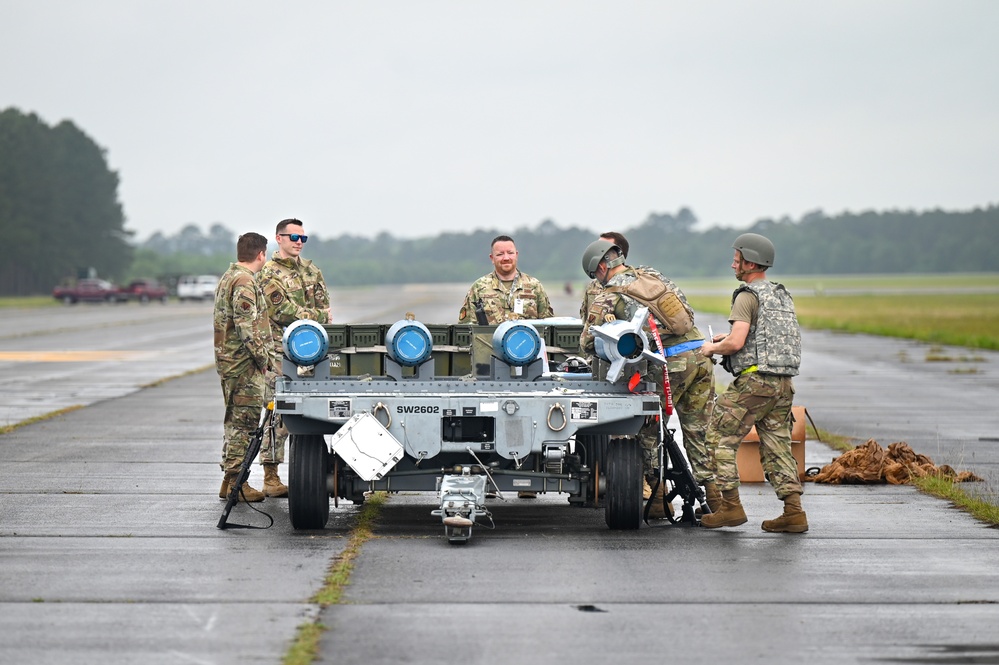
<point>623,502</point>
<point>308,499</point>
<point>595,446</point>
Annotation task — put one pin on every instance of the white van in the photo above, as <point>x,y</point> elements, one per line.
<point>197,287</point>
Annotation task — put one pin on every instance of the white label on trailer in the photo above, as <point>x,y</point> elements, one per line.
<point>339,408</point>
<point>488,407</point>
<point>582,411</point>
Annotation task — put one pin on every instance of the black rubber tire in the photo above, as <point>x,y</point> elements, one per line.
<point>623,501</point>
<point>596,450</point>
<point>308,499</point>
<point>595,447</point>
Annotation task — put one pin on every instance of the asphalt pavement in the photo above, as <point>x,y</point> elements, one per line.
<point>109,551</point>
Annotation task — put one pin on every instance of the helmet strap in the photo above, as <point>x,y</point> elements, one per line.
<point>610,264</point>
<point>741,272</point>
<point>615,262</point>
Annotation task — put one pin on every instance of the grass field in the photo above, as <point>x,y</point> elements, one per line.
<point>957,310</point>
<point>29,301</point>
<point>953,309</point>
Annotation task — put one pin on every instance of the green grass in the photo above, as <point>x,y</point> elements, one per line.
<point>938,486</point>
<point>28,301</point>
<point>6,429</point>
<point>827,284</point>
<point>305,647</point>
<point>836,441</point>
<point>945,488</point>
<point>910,307</point>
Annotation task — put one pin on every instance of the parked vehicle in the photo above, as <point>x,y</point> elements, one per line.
<point>144,290</point>
<point>197,287</point>
<point>86,290</point>
<point>465,411</point>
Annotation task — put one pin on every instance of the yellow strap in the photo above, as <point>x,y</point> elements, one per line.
<point>751,368</point>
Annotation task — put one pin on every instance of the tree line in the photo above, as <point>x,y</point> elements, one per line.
<point>59,209</point>
<point>934,241</point>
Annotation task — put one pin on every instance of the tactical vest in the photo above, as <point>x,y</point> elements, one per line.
<point>665,301</point>
<point>774,343</point>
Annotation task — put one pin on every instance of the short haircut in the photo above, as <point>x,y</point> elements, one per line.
<point>285,223</point>
<point>249,246</point>
<point>619,240</point>
<point>500,239</point>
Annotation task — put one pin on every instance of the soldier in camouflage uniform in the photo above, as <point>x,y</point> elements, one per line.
<point>763,352</point>
<point>243,356</point>
<point>506,293</point>
<point>595,287</point>
<point>294,289</point>
<point>691,376</point>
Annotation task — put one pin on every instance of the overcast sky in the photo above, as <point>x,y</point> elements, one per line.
<point>417,117</point>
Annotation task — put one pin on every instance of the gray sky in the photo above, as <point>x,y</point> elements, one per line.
<point>417,117</point>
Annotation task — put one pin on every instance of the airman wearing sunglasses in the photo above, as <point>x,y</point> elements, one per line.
<point>294,289</point>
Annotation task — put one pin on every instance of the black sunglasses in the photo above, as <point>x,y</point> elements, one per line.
<point>295,237</point>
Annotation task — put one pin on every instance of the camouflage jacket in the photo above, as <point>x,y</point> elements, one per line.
<point>526,299</point>
<point>622,307</point>
<point>294,289</point>
<point>243,340</point>
<point>593,289</point>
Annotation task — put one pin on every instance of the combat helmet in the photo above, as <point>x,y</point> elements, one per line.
<point>595,253</point>
<point>755,248</point>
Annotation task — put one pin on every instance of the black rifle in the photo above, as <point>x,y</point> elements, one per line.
<point>244,474</point>
<point>480,313</point>
<point>672,464</point>
<point>676,472</point>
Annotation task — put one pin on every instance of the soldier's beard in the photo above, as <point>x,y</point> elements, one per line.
<point>506,270</point>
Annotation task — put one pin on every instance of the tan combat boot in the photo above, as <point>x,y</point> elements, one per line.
<point>713,497</point>
<point>656,511</point>
<point>646,489</point>
<point>729,513</point>
<point>272,482</point>
<point>792,521</point>
<point>247,494</point>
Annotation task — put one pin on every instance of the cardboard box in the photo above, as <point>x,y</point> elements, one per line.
<point>748,456</point>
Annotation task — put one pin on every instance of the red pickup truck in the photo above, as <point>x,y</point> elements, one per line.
<point>100,290</point>
<point>143,290</point>
<point>86,290</point>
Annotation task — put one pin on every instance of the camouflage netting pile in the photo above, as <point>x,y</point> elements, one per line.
<point>898,465</point>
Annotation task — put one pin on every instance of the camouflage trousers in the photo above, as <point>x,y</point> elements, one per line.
<point>272,449</point>
<point>763,400</point>
<point>244,397</point>
<point>692,386</point>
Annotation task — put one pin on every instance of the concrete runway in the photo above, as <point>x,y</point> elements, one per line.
<point>109,551</point>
